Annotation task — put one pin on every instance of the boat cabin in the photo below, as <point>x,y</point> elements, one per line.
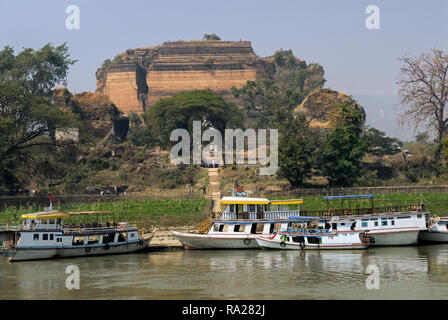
<point>243,208</point>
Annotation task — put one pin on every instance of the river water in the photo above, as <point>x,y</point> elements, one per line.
<point>403,273</point>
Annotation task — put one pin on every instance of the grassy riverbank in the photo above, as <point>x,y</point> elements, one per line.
<point>145,212</point>
<point>172,212</point>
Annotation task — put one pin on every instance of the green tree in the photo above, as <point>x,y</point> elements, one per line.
<point>37,71</point>
<point>179,112</point>
<point>28,119</point>
<point>211,37</point>
<point>379,144</point>
<point>138,133</point>
<point>343,150</point>
<point>297,150</point>
<point>288,81</point>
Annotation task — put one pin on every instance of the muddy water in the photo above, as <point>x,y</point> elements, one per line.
<point>404,273</point>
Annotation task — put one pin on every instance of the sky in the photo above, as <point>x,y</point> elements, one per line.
<point>356,60</point>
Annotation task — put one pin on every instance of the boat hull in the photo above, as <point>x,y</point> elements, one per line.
<point>395,238</point>
<point>22,254</point>
<point>265,243</point>
<point>433,236</point>
<point>208,241</point>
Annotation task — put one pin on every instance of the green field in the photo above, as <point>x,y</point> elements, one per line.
<point>146,213</point>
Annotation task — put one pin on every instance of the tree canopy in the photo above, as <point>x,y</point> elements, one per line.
<point>297,150</point>
<point>27,116</point>
<point>287,83</point>
<point>211,37</point>
<point>179,112</point>
<point>343,150</point>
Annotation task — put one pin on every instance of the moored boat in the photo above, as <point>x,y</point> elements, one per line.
<point>341,237</point>
<point>44,235</point>
<point>242,220</point>
<point>391,225</point>
<point>437,231</point>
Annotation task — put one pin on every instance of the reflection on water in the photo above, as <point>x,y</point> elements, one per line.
<point>405,273</point>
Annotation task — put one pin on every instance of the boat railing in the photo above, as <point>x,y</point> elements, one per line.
<point>280,214</point>
<point>10,227</point>
<point>267,215</point>
<point>363,211</point>
<point>68,230</point>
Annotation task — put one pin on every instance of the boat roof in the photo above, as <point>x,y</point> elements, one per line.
<point>349,197</point>
<point>45,215</point>
<point>288,201</point>
<point>243,200</point>
<point>86,212</point>
<point>246,200</point>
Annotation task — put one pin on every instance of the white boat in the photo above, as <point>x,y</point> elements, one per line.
<point>390,226</point>
<point>242,220</point>
<point>437,231</point>
<point>43,235</point>
<point>339,236</point>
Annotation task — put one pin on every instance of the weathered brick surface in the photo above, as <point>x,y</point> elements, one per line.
<point>175,67</point>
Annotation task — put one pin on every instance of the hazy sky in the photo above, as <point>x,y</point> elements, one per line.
<point>356,60</point>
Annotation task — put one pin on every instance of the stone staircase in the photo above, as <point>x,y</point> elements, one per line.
<point>215,190</point>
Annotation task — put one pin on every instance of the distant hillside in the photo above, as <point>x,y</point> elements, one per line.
<point>382,114</point>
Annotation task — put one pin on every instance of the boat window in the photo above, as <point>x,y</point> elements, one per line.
<point>376,223</point>
<point>58,239</point>
<point>132,235</point>
<point>406,217</point>
<point>51,236</point>
<point>122,237</point>
<point>391,218</point>
<point>257,228</point>
<point>36,236</point>
<point>45,236</point>
<point>216,227</point>
<point>314,240</point>
<point>393,222</point>
<point>298,239</point>
<point>419,216</point>
<point>108,238</point>
<point>78,241</point>
<point>238,228</point>
<point>364,224</point>
<point>94,239</point>
<point>259,208</point>
<point>252,208</point>
<point>384,223</point>
<point>232,208</point>
<point>334,226</point>
<point>296,225</point>
<point>51,221</point>
<point>364,219</point>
